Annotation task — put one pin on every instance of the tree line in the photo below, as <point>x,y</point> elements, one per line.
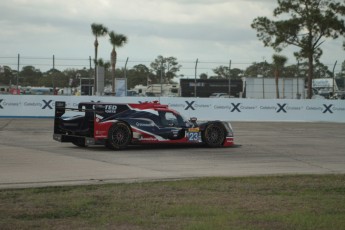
<point>165,69</point>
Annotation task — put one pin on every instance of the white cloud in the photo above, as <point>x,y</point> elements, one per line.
<point>216,30</point>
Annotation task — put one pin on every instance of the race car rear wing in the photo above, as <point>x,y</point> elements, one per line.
<point>79,121</point>
<point>60,108</point>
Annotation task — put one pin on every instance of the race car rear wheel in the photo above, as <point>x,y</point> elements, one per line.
<point>119,136</point>
<point>214,135</point>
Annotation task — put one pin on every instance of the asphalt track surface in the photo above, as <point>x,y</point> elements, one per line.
<point>29,157</point>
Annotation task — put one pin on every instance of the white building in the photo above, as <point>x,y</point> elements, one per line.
<point>265,88</point>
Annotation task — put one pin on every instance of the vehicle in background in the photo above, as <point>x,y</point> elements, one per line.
<point>132,93</point>
<point>327,88</point>
<point>4,89</point>
<point>224,95</point>
<point>157,90</point>
<point>203,88</point>
<point>41,91</point>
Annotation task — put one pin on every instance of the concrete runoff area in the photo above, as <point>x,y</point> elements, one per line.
<point>29,157</point>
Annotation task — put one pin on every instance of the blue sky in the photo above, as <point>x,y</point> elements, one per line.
<point>214,31</point>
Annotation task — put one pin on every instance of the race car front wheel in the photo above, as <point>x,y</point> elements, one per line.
<point>119,136</point>
<point>214,135</point>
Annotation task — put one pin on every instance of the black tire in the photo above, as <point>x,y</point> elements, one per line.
<point>119,136</point>
<point>214,135</point>
<point>79,142</point>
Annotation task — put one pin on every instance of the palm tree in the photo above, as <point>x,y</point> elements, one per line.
<point>116,40</point>
<point>278,63</point>
<point>98,30</point>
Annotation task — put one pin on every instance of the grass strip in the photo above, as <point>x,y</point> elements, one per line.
<point>265,202</point>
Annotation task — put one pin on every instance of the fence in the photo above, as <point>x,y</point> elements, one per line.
<point>189,69</point>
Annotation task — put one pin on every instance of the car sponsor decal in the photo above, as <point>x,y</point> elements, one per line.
<point>193,129</point>
<point>98,117</point>
<point>194,135</point>
<point>140,124</point>
<point>140,131</point>
<point>110,108</point>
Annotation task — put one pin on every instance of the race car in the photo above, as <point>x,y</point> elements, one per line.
<point>118,125</point>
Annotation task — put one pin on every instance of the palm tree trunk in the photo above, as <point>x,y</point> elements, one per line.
<point>276,74</point>
<point>310,75</point>
<point>113,64</point>
<point>95,77</point>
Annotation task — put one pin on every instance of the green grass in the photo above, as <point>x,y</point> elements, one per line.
<point>270,202</point>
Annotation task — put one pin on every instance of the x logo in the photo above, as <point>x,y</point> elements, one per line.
<point>235,107</point>
<point>0,104</point>
<point>328,108</point>
<point>281,108</point>
<point>190,105</point>
<point>47,104</point>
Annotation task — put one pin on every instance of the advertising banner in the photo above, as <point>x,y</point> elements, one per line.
<point>121,87</point>
<point>226,109</point>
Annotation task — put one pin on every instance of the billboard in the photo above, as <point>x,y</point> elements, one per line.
<point>121,87</point>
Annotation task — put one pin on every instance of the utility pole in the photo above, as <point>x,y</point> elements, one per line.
<point>196,66</point>
<point>229,78</point>
<point>53,62</point>
<point>18,72</point>
<point>161,78</point>
<point>90,88</point>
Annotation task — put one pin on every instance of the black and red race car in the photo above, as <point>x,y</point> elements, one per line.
<point>118,125</point>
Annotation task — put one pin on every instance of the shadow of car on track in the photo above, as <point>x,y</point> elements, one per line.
<point>150,147</point>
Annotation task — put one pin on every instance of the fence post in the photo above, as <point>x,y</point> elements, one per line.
<point>333,78</point>
<point>18,72</point>
<point>298,95</point>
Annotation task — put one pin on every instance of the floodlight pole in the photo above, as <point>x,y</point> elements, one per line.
<point>126,67</point>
